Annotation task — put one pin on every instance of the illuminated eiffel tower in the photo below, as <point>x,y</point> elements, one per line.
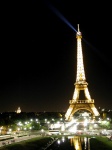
<point>80,85</point>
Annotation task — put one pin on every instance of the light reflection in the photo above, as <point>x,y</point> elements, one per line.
<point>63,139</point>
<point>76,142</point>
<point>85,142</point>
<point>58,141</point>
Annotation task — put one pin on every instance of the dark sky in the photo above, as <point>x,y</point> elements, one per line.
<point>38,54</point>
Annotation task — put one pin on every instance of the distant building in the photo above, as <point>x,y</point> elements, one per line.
<point>18,110</point>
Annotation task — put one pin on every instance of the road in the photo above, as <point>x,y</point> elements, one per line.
<point>16,139</point>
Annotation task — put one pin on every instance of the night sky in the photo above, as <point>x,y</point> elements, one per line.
<point>38,54</point>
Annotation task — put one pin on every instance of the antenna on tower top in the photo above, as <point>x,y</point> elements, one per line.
<point>78,27</point>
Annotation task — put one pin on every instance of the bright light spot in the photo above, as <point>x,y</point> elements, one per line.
<point>62,127</point>
<point>18,129</point>
<point>73,128</point>
<point>58,141</point>
<point>63,139</point>
<point>42,130</point>
<point>85,122</point>
<point>19,124</point>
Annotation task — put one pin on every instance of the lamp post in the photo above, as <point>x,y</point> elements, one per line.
<point>18,131</point>
<point>30,130</point>
<point>10,130</point>
<point>25,130</point>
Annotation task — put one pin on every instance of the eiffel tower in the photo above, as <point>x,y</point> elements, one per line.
<point>80,85</point>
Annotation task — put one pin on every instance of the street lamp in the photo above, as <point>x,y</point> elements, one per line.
<point>18,131</point>
<point>25,130</point>
<point>10,131</point>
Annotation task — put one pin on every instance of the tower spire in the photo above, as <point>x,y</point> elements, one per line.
<point>78,27</point>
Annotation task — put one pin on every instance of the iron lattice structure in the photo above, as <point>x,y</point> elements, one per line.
<point>80,85</point>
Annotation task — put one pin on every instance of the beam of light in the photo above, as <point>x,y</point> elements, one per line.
<point>61,16</point>
<point>95,50</point>
<point>70,25</point>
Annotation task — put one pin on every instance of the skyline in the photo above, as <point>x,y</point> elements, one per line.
<point>38,57</point>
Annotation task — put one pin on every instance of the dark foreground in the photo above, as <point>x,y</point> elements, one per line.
<point>49,143</point>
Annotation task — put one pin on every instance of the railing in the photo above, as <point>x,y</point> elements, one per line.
<point>81,101</point>
<point>54,131</point>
